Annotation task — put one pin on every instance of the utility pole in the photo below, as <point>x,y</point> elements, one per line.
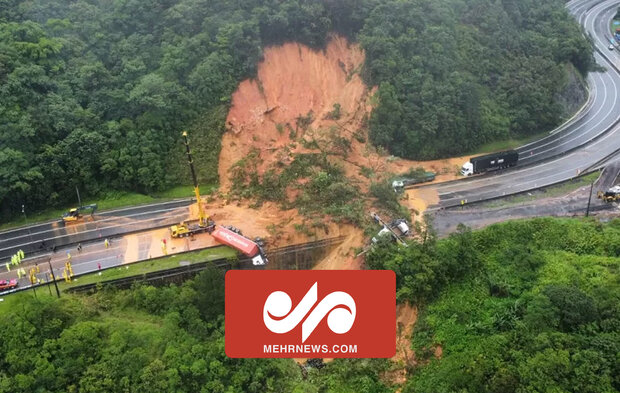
<point>49,262</point>
<point>26,223</point>
<point>47,278</point>
<point>78,195</point>
<point>589,199</point>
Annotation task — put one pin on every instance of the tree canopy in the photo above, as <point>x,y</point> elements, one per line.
<point>525,306</point>
<point>95,93</point>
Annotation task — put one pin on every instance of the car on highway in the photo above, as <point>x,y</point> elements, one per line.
<point>611,47</point>
<point>8,284</point>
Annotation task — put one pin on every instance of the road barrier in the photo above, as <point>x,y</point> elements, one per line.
<point>299,256</point>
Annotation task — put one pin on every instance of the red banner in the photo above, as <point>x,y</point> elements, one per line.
<point>310,313</point>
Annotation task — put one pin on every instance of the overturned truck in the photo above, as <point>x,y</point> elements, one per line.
<point>252,249</point>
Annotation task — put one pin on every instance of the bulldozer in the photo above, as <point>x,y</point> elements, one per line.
<point>611,195</point>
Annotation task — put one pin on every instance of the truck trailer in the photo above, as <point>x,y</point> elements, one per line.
<point>400,184</point>
<point>241,243</point>
<point>490,162</point>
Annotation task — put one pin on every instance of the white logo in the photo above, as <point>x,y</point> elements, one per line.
<point>339,319</point>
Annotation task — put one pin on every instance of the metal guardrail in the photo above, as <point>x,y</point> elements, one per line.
<point>184,272</point>
<point>127,282</point>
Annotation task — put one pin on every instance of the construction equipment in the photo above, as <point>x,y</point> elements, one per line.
<point>396,229</point>
<point>611,195</point>
<point>75,214</point>
<point>227,235</point>
<point>205,224</point>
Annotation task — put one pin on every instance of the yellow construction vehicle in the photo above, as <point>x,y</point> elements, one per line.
<point>76,213</point>
<point>205,224</point>
<point>611,195</point>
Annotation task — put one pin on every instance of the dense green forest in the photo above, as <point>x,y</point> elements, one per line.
<point>94,93</point>
<point>151,340</point>
<point>526,306</point>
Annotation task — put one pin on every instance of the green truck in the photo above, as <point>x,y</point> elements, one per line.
<point>400,184</point>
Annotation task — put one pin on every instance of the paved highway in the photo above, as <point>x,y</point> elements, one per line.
<point>598,132</point>
<point>596,125</point>
<point>44,237</point>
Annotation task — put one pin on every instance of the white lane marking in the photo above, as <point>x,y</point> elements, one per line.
<point>611,133</point>
<point>92,222</point>
<point>92,230</point>
<point>521,171</point>
<point>600,108</point>
<point>536,181</point>
<point>594,126</point>
<point>103,212</point>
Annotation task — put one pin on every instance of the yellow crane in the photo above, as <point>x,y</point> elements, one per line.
<point>205,224</point>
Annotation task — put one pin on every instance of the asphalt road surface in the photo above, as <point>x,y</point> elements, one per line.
<point>573,204</point>
<point>600,127</point>
<point>596,126</point>
<point>44,237</point>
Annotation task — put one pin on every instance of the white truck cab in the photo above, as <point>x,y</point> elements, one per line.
<point>397,184</point>
<point>467,169</point>
<point>258,260</point>
<point>383,232</point>
<point>403,227</point>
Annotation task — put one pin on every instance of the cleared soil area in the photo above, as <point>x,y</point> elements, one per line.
<point>291,102</point>
<point>296,82</point>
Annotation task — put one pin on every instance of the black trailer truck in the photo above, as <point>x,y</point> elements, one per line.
<point>490,162</point>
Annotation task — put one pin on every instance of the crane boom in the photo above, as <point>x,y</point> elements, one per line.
<point>201,215</point>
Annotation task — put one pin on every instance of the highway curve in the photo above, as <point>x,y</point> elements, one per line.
<point>557,159</point>
<point>596,125</point>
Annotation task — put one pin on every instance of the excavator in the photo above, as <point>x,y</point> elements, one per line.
<point>611,195</point>
<point>75,214</point>
<point>205,224</point>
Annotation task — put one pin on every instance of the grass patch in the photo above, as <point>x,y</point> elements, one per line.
<point>612,27</point>
<point>111,200</point>
<point>547,192</point>
<point>152,265</point>
<point>507,144</point>
<point>10,301</point>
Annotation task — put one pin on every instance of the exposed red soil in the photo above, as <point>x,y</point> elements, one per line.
<point>406,317</point>
<point>294,80</point>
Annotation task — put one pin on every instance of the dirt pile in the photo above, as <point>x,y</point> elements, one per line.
<point>293,82</point>
<point>300,100</point>
<point>293,99</point>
